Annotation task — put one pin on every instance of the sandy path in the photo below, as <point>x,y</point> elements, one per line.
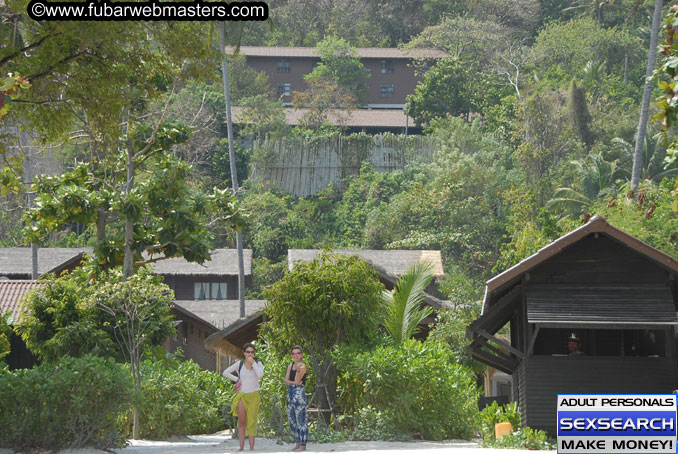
<point>222,443</point>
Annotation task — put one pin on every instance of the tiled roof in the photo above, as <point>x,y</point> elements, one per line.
<point>394,262</point>
<point>363,52</point>
<point>16,262</point>
<point>11,293</point>
<point>384,118</point>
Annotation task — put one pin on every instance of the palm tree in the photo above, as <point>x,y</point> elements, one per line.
<point>231,156</point>
<point>403,303</point>
<point>645,105</point>
<point>597,178</point>
<point>652,158</point>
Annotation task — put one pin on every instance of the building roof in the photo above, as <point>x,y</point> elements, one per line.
<point>363,52</point>
<point>11,293</point>
<point>367,118</point>
<point>395,262</point>
<point>597,224</point>
<point>220,313</point>
<point>16,261</point>
<point>229,341</point>
<point>222,262</point>
<point>191,315</point>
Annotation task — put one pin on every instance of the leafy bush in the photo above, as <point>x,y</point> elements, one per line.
<point>5,332</point>
<point>86,394</point>
<point>178,398</point>
<point>525,438</point>
<point>521,438</point>
<point>373,424</point>
<point>272,413</point>
<point>416,388</point>
<point>495,413</point>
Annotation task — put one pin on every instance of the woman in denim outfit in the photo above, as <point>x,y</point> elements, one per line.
<point>296,398</point>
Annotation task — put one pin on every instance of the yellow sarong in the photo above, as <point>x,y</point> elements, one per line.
<point>251,402</point>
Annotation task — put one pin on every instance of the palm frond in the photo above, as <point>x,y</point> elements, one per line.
<point>403,303</point>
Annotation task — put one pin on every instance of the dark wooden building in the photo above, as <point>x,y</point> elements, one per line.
<point>613,291</point>
<point>216,279</point>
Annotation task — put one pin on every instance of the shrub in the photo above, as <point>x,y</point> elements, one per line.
<point>415,387</point>
<point>178,398</point>
<point>70,404</point>
<point>495,413</point>
<point>525,438</point>
<point>521,438</point>
<point>373,424</point>
<point>5,332</point>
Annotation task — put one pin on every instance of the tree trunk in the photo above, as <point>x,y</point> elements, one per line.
<point>128,261</point>
<point>29,174</point>
<point>234,173</point>
<point>135,363</point>
<point>645,106</point>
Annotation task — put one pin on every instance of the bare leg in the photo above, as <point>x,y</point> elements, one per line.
<point>242,424</point>
<point>251,437</point>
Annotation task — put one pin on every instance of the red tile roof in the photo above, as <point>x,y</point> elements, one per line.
<point>363,52</point>
<point>11,293</point>
<point>384,118</point>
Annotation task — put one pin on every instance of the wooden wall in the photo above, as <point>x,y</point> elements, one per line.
<point>305,167</point>
<point>598,260</point>
<point>542,378</point>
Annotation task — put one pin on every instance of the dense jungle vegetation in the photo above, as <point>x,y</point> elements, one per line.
<point>534,116</point>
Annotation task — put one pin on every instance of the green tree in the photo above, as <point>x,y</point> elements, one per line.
<point>581,118</point>
<point>59,320</point>
<point>596,179</point>
<point>562,50</point>
<point>83,75</point>
<point>340,64</point>
<point>403,304</point>
<point>263,117</point>
<point>5,333</point>
<point>138,309</point>
<point>169,217</point>
<point>319,304</point>
<point>328,103</point>
<point>447,89</point>
<point>668,109</point>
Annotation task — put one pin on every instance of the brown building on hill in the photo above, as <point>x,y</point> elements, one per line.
<point>391,72</point>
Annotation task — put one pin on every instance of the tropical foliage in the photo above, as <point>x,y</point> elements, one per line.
<point>403,304</point>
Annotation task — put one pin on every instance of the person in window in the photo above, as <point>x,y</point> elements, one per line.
<point>295,379</point>
<point>246,402</point>
<point>574,345</point>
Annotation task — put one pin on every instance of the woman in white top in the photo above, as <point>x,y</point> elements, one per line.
<point>246,402</point>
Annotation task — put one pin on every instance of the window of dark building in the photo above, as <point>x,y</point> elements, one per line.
<point>284,65</point>
<point>603,342</point>
<point>210,291</point>
<point>387,66</point>
<point>284,89</point>
<point>386,90</point>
